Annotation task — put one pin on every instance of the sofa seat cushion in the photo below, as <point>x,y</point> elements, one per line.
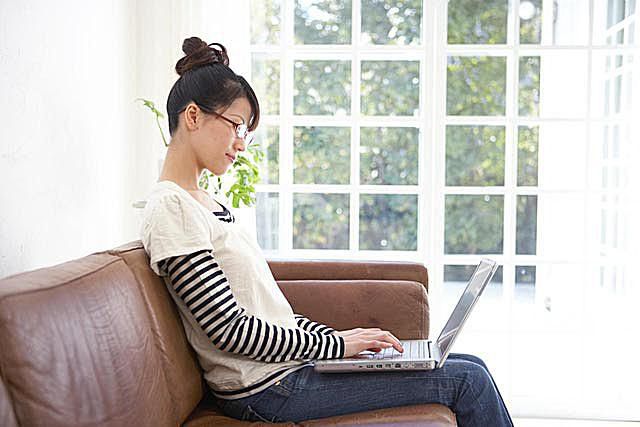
<point>428,415</point>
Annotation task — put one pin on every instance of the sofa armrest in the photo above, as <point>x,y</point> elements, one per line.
<point>350,294</point>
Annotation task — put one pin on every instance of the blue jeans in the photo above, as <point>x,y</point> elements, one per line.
<point>464,384</point>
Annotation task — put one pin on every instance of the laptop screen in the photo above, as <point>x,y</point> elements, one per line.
<point>481,276</point>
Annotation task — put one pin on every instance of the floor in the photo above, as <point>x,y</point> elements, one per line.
<point>548,422</point>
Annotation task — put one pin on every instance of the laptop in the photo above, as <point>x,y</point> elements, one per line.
<point>419,354</point>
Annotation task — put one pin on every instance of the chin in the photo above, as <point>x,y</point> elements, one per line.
<point>220,170</point>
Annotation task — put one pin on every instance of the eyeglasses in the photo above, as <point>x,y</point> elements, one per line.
<point>242,131</point>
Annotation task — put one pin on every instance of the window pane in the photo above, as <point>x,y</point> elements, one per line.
<point>562,156</point>
<point>473,224</point>
<point>563,235</point>
<point>526,225</point>
<point>390,88</point>
<point>530,13</point>
<point>476,85</point>
<point>265,21</point>
<point>606,14</point>
<point>267,220</point>
<point>570,23</point>
<point>529,94</point>
<point>527,155</point>
<point>475,155</point>
<point>398,23</point>
<point>268,138</point>
<point>477,21</point>
<point>321,155</point>
<point>388,222</point>
<point>615,12</point>
<point>389,156</point>
<point>617,93</point>
<point>612,89</point>
<point>322,87</point>
<point>265,80</point>
<point>323,21</point>
<point>561,96</point>
<point>525,291</point>
<point>320,221</point>
<point>462,273</point>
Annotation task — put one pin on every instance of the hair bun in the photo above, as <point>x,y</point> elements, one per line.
<point>198,54</point>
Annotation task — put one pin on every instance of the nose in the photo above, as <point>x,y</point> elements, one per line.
<point>239,144</point>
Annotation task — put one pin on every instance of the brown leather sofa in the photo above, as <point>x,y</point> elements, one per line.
<point>97,341</point>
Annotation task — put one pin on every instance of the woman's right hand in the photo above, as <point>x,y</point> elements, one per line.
<point>373,339</point>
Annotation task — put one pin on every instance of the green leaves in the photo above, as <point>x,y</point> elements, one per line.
<point>247,174</point>
<point>245,169</point>
<point>151,106</point>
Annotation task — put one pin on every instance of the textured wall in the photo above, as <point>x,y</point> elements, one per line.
<point>67,151</point>
<point>76,150</point>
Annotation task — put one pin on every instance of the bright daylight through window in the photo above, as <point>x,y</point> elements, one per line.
<point>441,132</point>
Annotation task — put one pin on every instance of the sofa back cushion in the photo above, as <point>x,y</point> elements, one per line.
<point>399,306</point>
<point>183,374</point>
<point>83,344</point>
<point>7,417</point>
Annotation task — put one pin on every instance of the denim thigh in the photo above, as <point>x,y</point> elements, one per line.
<point>463,384</point>
<point>264,406</point>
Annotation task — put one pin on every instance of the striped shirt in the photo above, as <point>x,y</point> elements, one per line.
<point>199,281</point>
<point>237,320</point>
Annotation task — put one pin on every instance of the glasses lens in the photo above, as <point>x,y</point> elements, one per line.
<point>248,139</point>
<point>241,131</point>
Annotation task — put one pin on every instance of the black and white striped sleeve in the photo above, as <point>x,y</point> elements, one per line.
<point>311,326</point>
<point>199,281</point>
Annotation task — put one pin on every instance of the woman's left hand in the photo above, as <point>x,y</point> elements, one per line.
<point>365,331</point>
<point>349,332</point>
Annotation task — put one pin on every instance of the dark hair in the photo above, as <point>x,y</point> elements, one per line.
<point>206,80</point>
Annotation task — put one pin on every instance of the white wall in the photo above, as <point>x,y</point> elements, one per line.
<point>66,152</point>
<point>76,150</point>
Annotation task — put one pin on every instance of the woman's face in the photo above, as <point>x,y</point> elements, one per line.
<point>216,143</point>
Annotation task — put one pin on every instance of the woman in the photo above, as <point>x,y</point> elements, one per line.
<point>255,352</point>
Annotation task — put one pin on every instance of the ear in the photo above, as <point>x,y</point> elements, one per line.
<point>192,117</point>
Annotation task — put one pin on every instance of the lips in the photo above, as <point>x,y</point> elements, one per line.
<point>230,157</point>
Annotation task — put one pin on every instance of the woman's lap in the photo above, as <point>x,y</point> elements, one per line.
<point>307,394</point>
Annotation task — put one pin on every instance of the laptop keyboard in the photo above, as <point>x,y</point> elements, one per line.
<point>412,349</point>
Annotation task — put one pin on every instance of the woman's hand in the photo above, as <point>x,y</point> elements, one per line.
<point>372,339</point>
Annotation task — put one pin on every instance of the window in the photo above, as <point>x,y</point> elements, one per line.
<point>442,132</point>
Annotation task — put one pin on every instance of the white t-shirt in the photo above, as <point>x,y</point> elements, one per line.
<point>174,224</point>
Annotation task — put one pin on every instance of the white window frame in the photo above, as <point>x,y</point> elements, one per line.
<point>431,122</point>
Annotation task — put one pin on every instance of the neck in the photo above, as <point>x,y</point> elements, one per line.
<point>180,165</point>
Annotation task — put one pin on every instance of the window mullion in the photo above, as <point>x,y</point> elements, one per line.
<point>511,171</point>
<point>425,236</point>
<point>354,197</point>
<point>510,162</point>
<point>286,129</point>
<point>436,138</point>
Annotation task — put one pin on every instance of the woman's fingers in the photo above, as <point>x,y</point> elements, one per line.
<point>385,336</point>
<point>373,339</point>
